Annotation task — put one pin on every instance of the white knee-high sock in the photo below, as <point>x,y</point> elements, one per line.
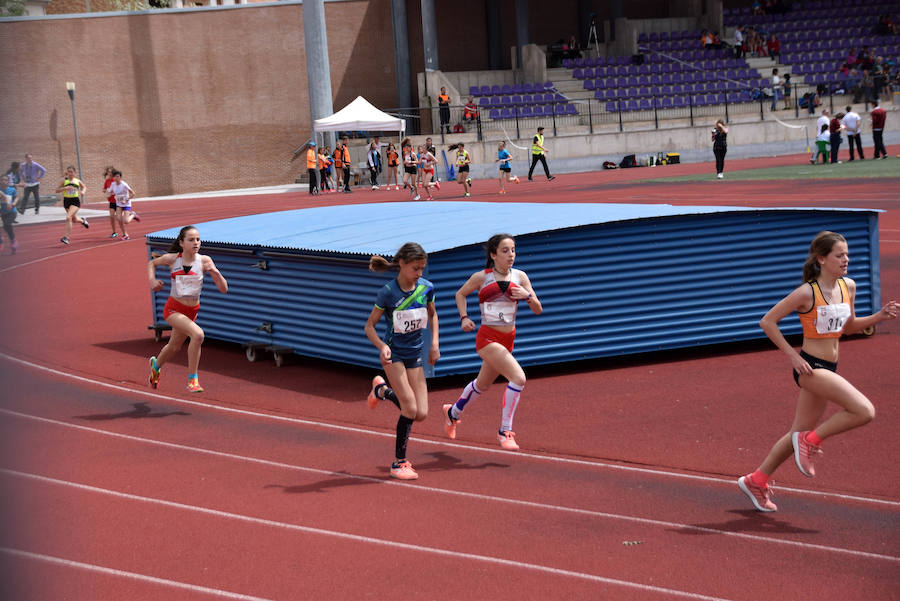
<point>510,402</point>
<point>469,393</point>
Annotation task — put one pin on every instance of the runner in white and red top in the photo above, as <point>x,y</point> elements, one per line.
<point>500,288</point>
<point>186,267</point>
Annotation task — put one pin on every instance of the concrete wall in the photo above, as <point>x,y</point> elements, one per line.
<point>182,101</point>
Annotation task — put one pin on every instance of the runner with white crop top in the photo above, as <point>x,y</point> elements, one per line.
<point>186,267</point>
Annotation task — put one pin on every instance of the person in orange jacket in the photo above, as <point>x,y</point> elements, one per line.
<point>312,168</point>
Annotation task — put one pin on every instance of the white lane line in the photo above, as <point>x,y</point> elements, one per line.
<point>56,256</point>
<point>130,575</point>
<point>441,443</point>
<point>365,539</point>
<point>468,495</point>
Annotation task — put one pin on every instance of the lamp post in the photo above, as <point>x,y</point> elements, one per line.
<point>70,88</point>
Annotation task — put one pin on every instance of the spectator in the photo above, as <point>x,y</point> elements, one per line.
<point>787,91</point>
<point>776,86</point>
<point>821,145</point>
<point>834,128</point>
<point>867,83</point>
<point>471,110</point>
<point>851,124</point>
<point>852,85</point>
<point>31,174</point>
<point>878,118</point>
<point>851,61</point>
<point>739,42</point>
<point>885,25</point>
<point>444,109</point>
<point>756,8</point>
<point>879,77</point>
<point>825,119</point>
<point>773,45</point>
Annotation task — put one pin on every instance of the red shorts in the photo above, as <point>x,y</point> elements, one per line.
<point>173,306</point>
<point>487,335</point>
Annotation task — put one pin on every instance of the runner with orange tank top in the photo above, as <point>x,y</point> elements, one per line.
<point>393,162</point>
<point>824,303</point>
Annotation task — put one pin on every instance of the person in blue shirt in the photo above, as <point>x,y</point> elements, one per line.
<point>31,173</point>
<point>505,160</point>
<point>407,305</point>
<point>8,211</point>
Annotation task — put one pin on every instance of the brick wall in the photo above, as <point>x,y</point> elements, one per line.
<point>182,101</point>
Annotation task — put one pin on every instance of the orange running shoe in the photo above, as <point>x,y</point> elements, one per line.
<point>403,470</point>
<point>154,373</point>
<point>194,385</point>
<point>805,454</point>
<point>760,495</point>
<point>449,422</point>
<point>373,398</point>
<point>508,440</point>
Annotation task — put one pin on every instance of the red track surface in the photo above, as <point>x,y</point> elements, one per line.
<point>273,483</point>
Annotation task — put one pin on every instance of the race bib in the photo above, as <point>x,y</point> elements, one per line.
<point>187,285</point>
<point>498,312</point>
<point>122,200</point>
<point>407,321</point>
<point>830,319</point>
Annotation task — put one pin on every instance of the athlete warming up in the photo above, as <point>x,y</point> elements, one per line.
<point>824,303</point>
<point>407,304</point>
<point>500,288</point>
<point>186,266</point>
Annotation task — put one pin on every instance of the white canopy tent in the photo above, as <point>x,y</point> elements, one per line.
<point>359,115</point>
<point>362,116</point>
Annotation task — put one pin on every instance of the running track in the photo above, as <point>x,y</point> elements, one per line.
<point>273,483</point>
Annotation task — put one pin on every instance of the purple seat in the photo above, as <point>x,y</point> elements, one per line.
<point>517,89</point>
<point>559,109</point>
<point>578,74</point>
<point>567,63</point>
<point>505,101</point>
<point>527,88</point>
<point>631,105</point>
<point>644,104</point>
<point>526,99</point>
<point>524,111</point>
<point>495,90</point>
<point>495,113</point>
<point>571,109</point>
<point>485,91</point>
<point>666,79</point>
<point>548,85</point>
<point>611,107</point>
<point>495,102</point>
<point>473,90</point>
<point>484,101</point>
<point>515,99</point>
<point>506,89</point>
<point>590,84</point>
<point>506,113</point>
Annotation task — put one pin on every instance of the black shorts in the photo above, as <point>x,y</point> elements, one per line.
<point>408,362</point>
<point>112,205</point>
<point>410,170</point>
<point>507,169</point>
<point>815,363</point>
<point>463,168</point>
<point>71,202</point>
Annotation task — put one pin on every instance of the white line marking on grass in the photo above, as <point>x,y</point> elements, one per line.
<point>457,493</point>
<point>357,538</point>
<point>441,443</point>
<point>129,575</point>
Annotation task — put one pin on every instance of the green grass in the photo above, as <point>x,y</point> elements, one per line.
<point>869,168</point>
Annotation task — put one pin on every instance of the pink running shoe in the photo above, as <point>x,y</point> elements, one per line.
<point>137,217</point>
<point>154,373</point>
<point>507,440</point>
<point>403,471</point>
<point>760,495</point>
<point>193,385</point>
<point>449,422</point>
<point>805,454</point>
<point>373,399</point>
<point>437,185</point>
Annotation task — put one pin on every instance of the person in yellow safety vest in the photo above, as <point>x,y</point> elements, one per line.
<point>312,167</point>
<point>537,154</point>
<point>444,109</point>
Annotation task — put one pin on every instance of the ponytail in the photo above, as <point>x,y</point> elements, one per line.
<point>411,251</point>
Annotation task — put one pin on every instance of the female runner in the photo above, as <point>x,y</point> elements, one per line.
<point>407,304</point>
<point>73,190</point>
<point>410,163</point>
<point>825,306</point>
<point>500,288</point>
<point>186,266</point>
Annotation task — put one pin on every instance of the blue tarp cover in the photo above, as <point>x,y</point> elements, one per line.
<point>381,228</point>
